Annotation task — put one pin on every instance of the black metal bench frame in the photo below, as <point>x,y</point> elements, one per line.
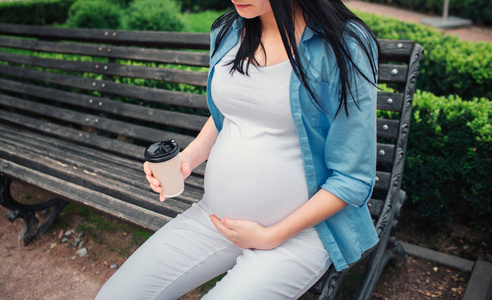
<point>78,106</point>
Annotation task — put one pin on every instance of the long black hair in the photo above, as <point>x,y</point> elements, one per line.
<point>327,18</point>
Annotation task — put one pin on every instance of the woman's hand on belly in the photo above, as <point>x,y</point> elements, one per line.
<point>252,235</point>
<point>248,234</point>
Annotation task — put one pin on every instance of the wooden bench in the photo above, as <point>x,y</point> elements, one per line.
<point>78,107</point>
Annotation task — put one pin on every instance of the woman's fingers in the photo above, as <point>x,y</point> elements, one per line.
<point>185,169</point>
<point>185,165</point>
<point>155,185</point>
<point>146,168</point>
<point>220,226</point>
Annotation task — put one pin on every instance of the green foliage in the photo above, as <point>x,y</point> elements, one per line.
<point>450,66</point>
<point>200,5</point>
<point>95,14</point>
<point>41,12</point>
<point>449,157</point>
<point>480,11</point>
<point>156,15</point>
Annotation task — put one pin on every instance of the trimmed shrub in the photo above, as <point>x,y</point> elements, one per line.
<point>44,12</point>
<point>480,11</point>
<point>450,66</point>
<point>95,14</point>
<point>449,158</point>
<point>161,15</point>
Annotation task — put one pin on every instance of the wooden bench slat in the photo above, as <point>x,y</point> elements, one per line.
<point>385,153</point>
<point>114,188</point>
<point>198,59</point>
<point>78,136</point>
<point>99,142</point>
<point>390,101</point>
<point>392,73</point>
<point>387,128</point>
<point>107,86</point>
<point>111,69</point>
<point>382,180</point>
<point>395,50</point>
<point>110,166</point>
<point>163,117</point>
<point>81,195</point>
<point>391,50</point>
<point>101,162</point>
<point>114,126</point>
<point>115,37</point>
<point>116,182</point>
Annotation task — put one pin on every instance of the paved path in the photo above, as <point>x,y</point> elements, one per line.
<point>471,33</point>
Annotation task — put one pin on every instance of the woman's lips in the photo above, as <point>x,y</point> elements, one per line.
<point>242,6</point>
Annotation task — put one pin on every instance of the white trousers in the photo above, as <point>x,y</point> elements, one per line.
<point>189,251</point>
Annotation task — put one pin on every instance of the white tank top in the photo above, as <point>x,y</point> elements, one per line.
<point>255,168</point>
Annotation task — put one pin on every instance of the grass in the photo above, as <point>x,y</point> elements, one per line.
<point>200,22</point>
<point>93,221</point>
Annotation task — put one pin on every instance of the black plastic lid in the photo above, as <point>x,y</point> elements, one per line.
<point>161,151</point>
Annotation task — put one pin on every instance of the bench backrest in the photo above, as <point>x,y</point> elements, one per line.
<point>121,90</point>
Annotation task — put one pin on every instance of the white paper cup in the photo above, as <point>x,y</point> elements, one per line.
<point>165,162</point>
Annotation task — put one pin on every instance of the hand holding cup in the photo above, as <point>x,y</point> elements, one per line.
<point>166,168</point>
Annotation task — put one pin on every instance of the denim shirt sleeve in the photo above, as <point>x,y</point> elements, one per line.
<point>350,147</point>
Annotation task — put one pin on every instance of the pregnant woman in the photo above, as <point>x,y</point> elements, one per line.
<point>291,151</point>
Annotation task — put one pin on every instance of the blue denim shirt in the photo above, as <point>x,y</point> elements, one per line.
<point>339,154</point>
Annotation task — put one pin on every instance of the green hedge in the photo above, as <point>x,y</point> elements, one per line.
<point>95,14</point>
<point>449,158</point>
<point>479,11</point>
<point>162,15</point>
<point>450,66</point>
<point>41,12</point>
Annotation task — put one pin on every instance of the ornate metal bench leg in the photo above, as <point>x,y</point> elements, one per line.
<point>386,250</point>
<point>27,212</point>
<point>47,223</point>
<point>373,271</point>
<point>30,224</point>
<point>399,254</point>
<point>331,282</point>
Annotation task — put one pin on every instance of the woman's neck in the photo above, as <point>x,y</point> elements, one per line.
<point>273,50</point>
<point>270,29</point>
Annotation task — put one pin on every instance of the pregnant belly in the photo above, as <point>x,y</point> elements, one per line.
<point>257,184</point>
